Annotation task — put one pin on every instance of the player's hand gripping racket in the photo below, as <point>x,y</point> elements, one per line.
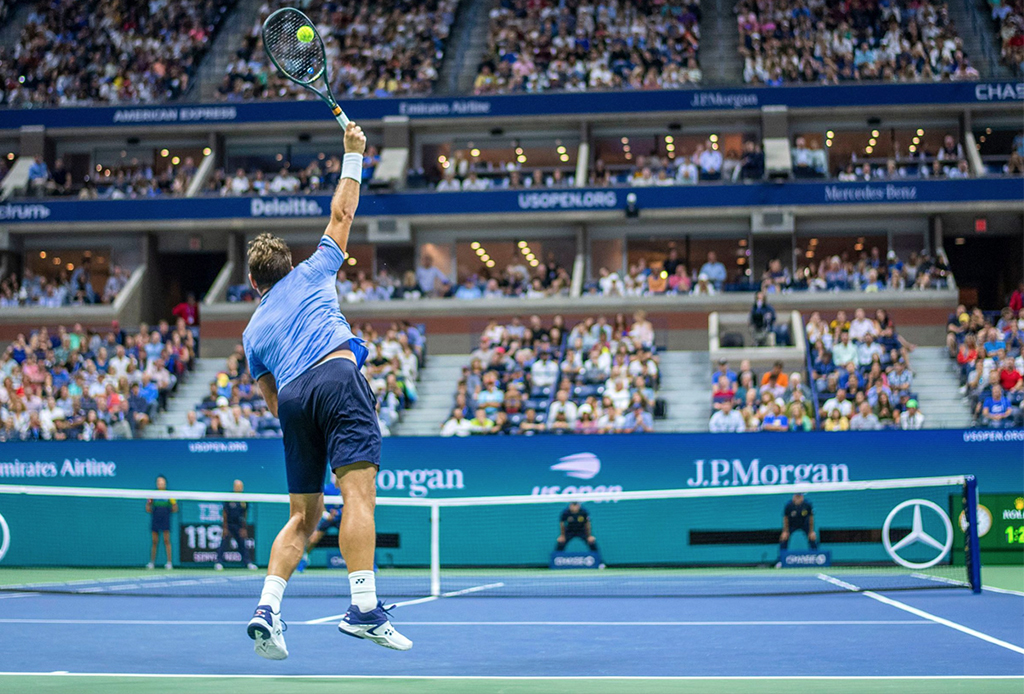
<point>295,48</point>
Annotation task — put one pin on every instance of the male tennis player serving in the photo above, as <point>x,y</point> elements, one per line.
<point>302,352</point>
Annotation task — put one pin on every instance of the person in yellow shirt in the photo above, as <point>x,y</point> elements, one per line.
<point>836,422</point>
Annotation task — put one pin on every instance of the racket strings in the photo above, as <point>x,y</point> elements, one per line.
<point>303,62</point>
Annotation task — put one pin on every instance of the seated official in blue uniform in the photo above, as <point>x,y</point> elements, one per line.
<point>575,522</point>
<point>798,515</point>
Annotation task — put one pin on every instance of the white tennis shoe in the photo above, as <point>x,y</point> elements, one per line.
<point>267,630</point>
<point>373,626</point>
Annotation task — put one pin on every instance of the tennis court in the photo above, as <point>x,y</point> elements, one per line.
<point>105,639</point>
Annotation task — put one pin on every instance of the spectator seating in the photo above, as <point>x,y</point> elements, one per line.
<point>1008,16</point>
<point>747,401</point>
<point>115,51</point>
<point>378,49</point>
<point>860,369</point>
<point>525,379</point>
<point>86,385</point>
<point>987,349</point>
<point>235,408</point>
<point>803,41</point>
<point>541,45</point>
<point>73,288</point>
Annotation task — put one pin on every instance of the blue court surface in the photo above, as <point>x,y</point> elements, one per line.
<point>852,638</point>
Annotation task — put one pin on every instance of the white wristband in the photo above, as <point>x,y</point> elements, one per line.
<point>352,167</point>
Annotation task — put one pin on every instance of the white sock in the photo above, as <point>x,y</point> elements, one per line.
<point>364,590</point>
<point>273,591</point>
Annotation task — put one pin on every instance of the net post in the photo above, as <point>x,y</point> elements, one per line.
<point>435,549</point>
<point>972,550</point>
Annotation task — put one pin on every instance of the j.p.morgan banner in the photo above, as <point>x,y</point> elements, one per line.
<point>567,465</point>
<point>504,202</point>
<point>568,104</point>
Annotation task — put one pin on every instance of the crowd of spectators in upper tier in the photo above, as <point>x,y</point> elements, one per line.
<point>1009,18</point>
<point>107,51</point>
<point>75,288</point>
<point>89,385</point>
<point>829,43</point>
<point>598,377</point>
<point>578,45</point>
<point>374,49</point>
<point>235,408</point>
<point>987,349</point>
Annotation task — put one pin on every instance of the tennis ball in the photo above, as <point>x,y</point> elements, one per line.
<point>305,34</point>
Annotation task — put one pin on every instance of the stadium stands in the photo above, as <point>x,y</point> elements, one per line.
<point>525,379</point>
<point>234,407</point>
<point>67,288</point>
<point>114,51</point>
<point>541,45</point>
<point>987,349</point>
<point>390,48</point>
<point>803,41</point>
<point>1008,16</point>
<point>90,385</point>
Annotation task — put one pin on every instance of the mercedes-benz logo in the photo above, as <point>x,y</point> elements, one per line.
<point>5,538</point>
<point>917,534</point>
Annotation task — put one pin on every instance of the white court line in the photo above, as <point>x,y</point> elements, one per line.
<point>953,581</point>
<point>1005,591</point>
<point>208,622</point>
<point>8,596</point>
<point>921,613</point>
<point>672,678</point>
<point>418,601</point>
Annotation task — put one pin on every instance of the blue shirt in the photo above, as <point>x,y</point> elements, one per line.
<point>997,406</point>
<point>298,321</point>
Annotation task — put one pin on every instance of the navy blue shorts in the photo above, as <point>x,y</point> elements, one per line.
<point>329,417</point>
<point>161,520</point>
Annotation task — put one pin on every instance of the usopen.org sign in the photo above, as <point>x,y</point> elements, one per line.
<point>725,473</point>
<point>24,211</point>
<point>569,200</point>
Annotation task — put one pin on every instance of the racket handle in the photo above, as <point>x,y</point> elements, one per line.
<point>340,116</point>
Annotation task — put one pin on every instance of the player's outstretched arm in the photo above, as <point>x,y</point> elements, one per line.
<point>346,196</point>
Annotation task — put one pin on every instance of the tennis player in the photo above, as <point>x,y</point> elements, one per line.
<point>306,360</point>
<point>330,519</point>
<point>160,511</point>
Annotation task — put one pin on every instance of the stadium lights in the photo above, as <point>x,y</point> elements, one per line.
<point>960,240</point>
<point>625,148</point>
<point>664,275</point>
<point>670,147</point>
<point>490,263</point>
<point>913,149</point>
<point>474,152</point>
<point>916,140</point>
<point>480,251</point>
<point>564,157</point>
<point>561,149</point>
<point>534,263</point>
<point>671,155</point>
<point>988,131</point>
<point>176,160</point>
<point>279,157</point>
<point>521,159</point>
<point>920,132</point>
<point>475,245</point>
<point>830,134</point>
<point>714,146</point>
<point>56,261</point>
<point>625,140</point>
<point>207,152</point>
<point>10,156</point>
<point>628,155</point>
<point>42,255</point>
<point>69,267</point>
<point>874,133</point>
<point>522,244</point>
<point>107,173</point>
<point>531,257</point>
<point>869,149</point>
<point>669,139</point>
<point>485,257</point>
<point>713,137</point>
<point>352,261</point>
<point>872,142</point>
<point>809,254</point>
<point>519,150</point>
<point>321,156</point>
<point>165,152</point>
<point>814,242</point>
<point>828,143</point>
<point>982,139</point>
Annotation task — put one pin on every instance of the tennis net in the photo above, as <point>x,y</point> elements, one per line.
<point>877,535</point>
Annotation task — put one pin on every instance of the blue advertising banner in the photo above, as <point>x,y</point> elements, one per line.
<point>48,531</point>
<point>496,466</point>
<point>795,97</point>
<point>793,194</point>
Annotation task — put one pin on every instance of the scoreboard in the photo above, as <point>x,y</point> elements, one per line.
<point>1000,527</point>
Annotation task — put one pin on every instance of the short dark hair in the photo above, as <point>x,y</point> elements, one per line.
<point>270,260</point>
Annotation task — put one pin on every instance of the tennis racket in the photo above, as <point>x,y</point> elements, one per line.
<point>302,62</point>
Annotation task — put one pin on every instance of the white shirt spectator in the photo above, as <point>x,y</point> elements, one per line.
<point>457,427</point>
<point>865,352</point>
<point>711,161</point>
<point>284,182</point>
<point>912,421</point>
<point>845,407</point>
<point>118,366</point>
<point>543,373</point>
<point>611,284</point>
<point>449,184</point>
<point>472,183</point>
<point>723,423</point>
<point>859,327</point>
<point>686,174</point>
<point>568,407</point>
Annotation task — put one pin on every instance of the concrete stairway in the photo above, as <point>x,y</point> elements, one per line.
<point>976,28</point>
<point>937,387</point>
<point>467,42</point>
<point>17,18</point>
<point>686,389</point>
<point>436,390</point>
<point>187,396</point>
<point>719,39</point>
<point>228,40</point>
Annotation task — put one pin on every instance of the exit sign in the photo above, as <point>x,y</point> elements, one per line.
<point>981,225</point>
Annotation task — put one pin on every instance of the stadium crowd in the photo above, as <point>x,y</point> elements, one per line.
<point>804,41</point>
<point>1008,16</point>
<point>379,49</point>
<point>987,350</point>
<point>75,288</point>
<point>598,377</point>
<point>235,408</point>
<point>107,51</point>
<point>90,385</point>
<point>573,45</point>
